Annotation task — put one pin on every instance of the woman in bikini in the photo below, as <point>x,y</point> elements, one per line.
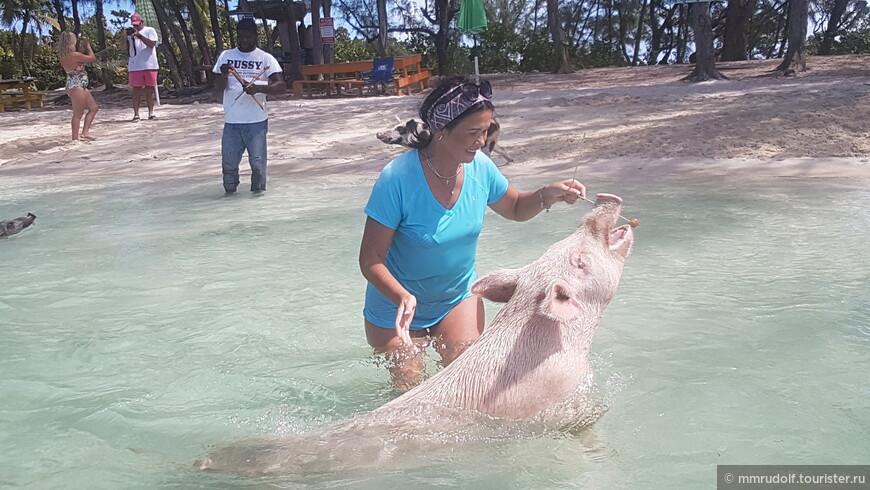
<point>73,63</point>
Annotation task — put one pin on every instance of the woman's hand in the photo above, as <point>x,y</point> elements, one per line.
<point>404,314</point>
<point>568,191</point>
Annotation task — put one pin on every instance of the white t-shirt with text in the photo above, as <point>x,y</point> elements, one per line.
<point>141,56</point>
<point>244,109</point>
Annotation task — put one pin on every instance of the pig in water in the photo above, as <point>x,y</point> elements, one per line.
<point>9,228</point>
<point>529,365</point>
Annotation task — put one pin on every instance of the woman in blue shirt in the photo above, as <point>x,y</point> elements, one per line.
<point>425,214</point>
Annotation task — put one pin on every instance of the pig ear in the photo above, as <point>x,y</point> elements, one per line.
<point>561,302</point>
<point>498,286</point>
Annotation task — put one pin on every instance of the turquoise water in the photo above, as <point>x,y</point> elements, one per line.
<point>144,321</point>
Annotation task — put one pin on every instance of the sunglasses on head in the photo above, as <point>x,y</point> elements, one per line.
<point>472,90</point>
<point>469,92</point>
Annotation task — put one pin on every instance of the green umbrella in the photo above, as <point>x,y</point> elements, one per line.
<point>472,19</point>
<point>145,9</point>
<point>472,16</point>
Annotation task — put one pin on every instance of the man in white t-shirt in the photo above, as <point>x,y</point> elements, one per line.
<point>246,120</point>
<point>140,42</point>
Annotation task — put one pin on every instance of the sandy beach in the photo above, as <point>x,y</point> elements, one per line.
<point>637,122</point>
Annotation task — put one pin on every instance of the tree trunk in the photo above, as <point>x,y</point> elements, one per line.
<point>187,50</point>
<point>682,35</point>
<point>705,57</point>
<point>166,46</point>
<point>216,27</point>
<point>199,31</point>
<point>25,20</point>
<point>444,11</point>
<point>795,60</point>
<point>186,63</point>
<point>316,40</point>
<point>833,26</point>
<point>563,63</point>
<point>77,21</point>
<point>655,42</point>
<point>295,72</point>
<point>58,9</point>
<point>738,14</point>
<point>329,49</point>
<point>635,60</point>
<point>101,42</point>
<point>381,45</point>
<point>228,25</point>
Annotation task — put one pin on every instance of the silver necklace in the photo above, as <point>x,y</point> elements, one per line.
<point>445,179</point>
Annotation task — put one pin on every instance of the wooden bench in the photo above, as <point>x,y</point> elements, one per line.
<point>405,83</point>
<point>18,91</point>
<point>330,85</point>
<point>332,75</point>
<point>408,72</point>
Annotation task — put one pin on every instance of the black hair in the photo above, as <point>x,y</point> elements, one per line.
<point>247,24</point>
<point>445,85</point>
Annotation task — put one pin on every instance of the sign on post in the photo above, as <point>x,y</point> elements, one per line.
<point>327,30</point>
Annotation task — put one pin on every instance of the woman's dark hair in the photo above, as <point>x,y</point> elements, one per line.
<point>446,85</point>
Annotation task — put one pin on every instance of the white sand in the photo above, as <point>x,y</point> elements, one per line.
<point>624,122</point>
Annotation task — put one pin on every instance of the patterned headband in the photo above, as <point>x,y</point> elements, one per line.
<point>456,101</point>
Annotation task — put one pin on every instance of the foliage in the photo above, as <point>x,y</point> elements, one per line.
<point>539,54</point>
<point>46,68</point>
<point>598,55</point>
<point>348,49</point>
<point>516,39</point>
<point>855,42</point>
<point>500,49</point>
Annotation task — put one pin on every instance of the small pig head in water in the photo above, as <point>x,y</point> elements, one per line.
<point>9,228</point>
<point>535,354</point>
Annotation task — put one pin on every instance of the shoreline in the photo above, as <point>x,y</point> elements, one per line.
<point>631,123</point>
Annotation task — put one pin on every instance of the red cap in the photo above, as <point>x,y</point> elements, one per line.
<point>135,19</point>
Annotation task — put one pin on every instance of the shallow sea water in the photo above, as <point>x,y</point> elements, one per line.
<point>142,322</point>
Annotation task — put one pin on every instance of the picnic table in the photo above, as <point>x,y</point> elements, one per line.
<point>407,72</point>
<point>20,90</point>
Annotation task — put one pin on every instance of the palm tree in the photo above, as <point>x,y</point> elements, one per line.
<point>26,12</point>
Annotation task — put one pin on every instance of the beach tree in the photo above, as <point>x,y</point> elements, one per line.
<point>705,56</point>
<point>563,63</point>
<point>25,12</point>
<point>836,18</point>
<point>795,60</point>
<point>738,14</point>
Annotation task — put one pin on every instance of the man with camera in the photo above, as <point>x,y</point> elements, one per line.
<point>140,42</point>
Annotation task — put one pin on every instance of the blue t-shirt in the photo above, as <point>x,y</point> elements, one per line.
<point>433,250</point>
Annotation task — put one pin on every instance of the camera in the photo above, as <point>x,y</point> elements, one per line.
<point>130,31</point>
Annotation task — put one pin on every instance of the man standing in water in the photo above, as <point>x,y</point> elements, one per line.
<point>140,42</point>
<point>245,73</point>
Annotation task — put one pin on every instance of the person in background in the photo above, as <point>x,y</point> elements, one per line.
<point>246,120</point>
<point>73,63</point>
<point>425,214</point>
<point>140,43</point>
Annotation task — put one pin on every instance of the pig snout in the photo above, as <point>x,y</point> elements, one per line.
<point>602,224</point>
<point>607,199</point>
<point>388,137</point>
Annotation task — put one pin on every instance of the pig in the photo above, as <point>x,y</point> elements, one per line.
<point>415,134</point>
<point>531,365</point>
<point>9,228</point>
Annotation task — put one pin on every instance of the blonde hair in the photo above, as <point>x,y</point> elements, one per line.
<point>67,44</point>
